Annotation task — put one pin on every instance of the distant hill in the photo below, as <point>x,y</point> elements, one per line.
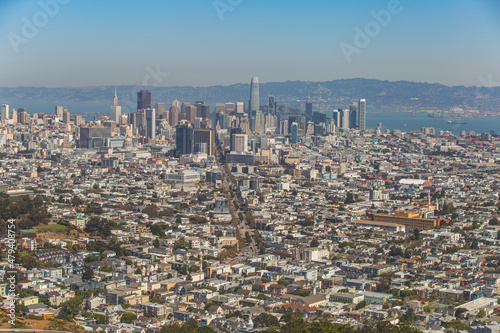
<point>400,95</point>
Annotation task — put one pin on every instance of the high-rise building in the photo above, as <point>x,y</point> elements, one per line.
<point>116,110</point>
<point>228,108</point>
<point>353,123</point>
<point>239,142</point>
<point>220,107</point>
<point>295,132</point>
<point>183,140</point>
<point>344,118</point>
<point>191,113</point>
<point>143,99</point>
<point>284,127</point>
<point>161,111</point>
<point>204,140</point>
<point>173,118</point>
<point>362,114</point>
<point>240,107</point>
<point>5,112</point>
<point>13,115</point>
<point>22,116</point>
<point>58,111</point>
<point>78,120</point>
<point>66,116</point>
<point>271,105</point>
<point>254,103</point>
<point>150,128</point>
<point>309,109</point>
<point>203,111</point>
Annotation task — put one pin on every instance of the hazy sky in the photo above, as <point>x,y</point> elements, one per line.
<point>207,42</point>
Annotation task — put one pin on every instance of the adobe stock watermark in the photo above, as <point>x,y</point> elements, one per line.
<point>153,78</point>
<point>372,29</point>
<point>30,28</point>
<point>223,6</point>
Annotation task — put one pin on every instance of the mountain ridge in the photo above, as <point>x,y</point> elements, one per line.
<point>381,94</point>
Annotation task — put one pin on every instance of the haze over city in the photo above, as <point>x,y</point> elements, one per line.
<point>201,43</point>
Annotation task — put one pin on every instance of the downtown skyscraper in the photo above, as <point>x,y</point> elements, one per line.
<point>116,110</point>
<point>362,114</point>
<point>254,95</point>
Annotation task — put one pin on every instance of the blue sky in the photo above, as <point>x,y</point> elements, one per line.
<point>112,42</point>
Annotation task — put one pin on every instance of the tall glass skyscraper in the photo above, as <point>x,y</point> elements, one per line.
<point>254,95</point>
<point>362,114</point>
<point>183,140</point>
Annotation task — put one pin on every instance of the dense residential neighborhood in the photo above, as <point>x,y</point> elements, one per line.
<point>374,230</point>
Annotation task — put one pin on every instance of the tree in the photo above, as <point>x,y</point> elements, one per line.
<point>266,320</point>
<point>156,243</point>
<point>261,296</point>
<point>481,314</point>
<point>70,308</point>
<point>29,262</point>
<point>205,329</point>
<point>88,275</point>
<point>128,317</point>
<point>349,198</point>
<point>181,243</point>
<point>494,221</point>
<point>314,243</point>
<point>457,324</point>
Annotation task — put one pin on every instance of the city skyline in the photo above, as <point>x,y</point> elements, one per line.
<point>383,40</point>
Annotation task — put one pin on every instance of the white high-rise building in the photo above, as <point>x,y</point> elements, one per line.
<point>116,110</point>
<point>240,107</point>
<point>176,104</point>
<point>345,118</point>
<point>362,114</point>
<point>5,112</point>
<point>254,95</point>
<point>239,142</point>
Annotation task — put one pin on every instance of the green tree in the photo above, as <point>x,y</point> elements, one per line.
<point>70,308</point>
<point>314,243</point>
<point>88,275</point>
<point>266,320</point>
<point>128,317</point>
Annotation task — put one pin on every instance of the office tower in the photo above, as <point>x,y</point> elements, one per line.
<point>295,132</point>
<point>191,112</point>
<point>336,117</point>
<point>271,105</point>
<point>309,109</point>
<point>66,116</point>
<point>22,116</point>
<point>240,107</point>
<point>183,140</point>
<point>58,111</point>
<point>254,95</point>
<point>239,142</point>
<point>143,100</point>
<point>78,120</point>
<point>177,104</point>
<point>344,118</point>
<point>353,123</point>
<point>259,122</point>
<point>228,108</point>
<point>203,111</point>
<point>13,115</point>
<point>318,117</point>
<point>284,127</point>
<point>270,122</point>
<point>362,114</point>
<point>204,140</point>
<point>161,111</point>
<point>116,110</point>
<point>150,126</point>
<point>5,112</point>
<point>220,107</point>
<point>184,106</point>
<point>173,115</point>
